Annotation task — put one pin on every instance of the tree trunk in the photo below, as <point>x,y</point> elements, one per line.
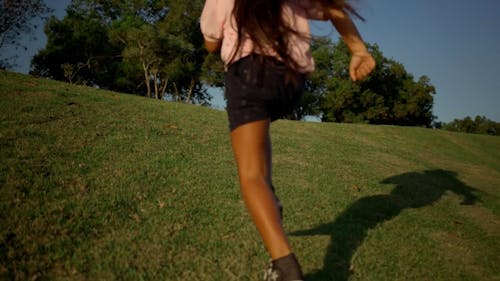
<point>146,80</point>
<point>163,88</point>
<point>191,88</point>
<point>155,81</point>
<point>177,97</point>
<point>145,66</point>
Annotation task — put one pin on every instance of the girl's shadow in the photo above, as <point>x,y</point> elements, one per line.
<point>349,229</point>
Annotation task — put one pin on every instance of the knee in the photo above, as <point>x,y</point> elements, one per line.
<point>250,179</point>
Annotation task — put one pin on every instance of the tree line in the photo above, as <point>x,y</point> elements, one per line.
<point>477,125</point>
<point>155,48</point>
<point>148,47</point>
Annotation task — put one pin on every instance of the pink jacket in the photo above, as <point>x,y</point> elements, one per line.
<point>217,23</point>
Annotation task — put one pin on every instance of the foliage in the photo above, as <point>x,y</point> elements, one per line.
<point>155,48</point>
<point>478,125</point>
<point>316,89</point>
<point>151,47</point>
<point>16,19</point>
<point>75,41</point>
<point>390,95</point>
<point>213,70</point>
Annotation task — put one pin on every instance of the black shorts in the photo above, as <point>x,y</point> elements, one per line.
<point>260,88</point>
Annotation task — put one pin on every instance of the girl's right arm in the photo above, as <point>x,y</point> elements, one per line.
<point>211,24</point>
<point>212,46</point>
<point>362,62</point>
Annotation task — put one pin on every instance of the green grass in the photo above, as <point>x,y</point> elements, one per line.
<point>96,185</point>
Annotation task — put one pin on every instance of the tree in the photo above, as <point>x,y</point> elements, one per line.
<point>168,49</point>
<point>478,125</point>
<point>151,47</point>
<point>315,86</point>
<point>390,95</point>
<point>79,44</point>
<point>15,20</point>
<point>213,70</point>
<point>186,71</point>
<point>141,46</point>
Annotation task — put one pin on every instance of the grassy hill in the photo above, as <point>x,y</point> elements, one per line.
<point>97,185</point>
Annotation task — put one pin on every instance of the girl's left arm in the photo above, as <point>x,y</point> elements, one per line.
<point>362,62</point>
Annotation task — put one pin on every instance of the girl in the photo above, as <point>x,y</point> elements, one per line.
<point>265,48</point>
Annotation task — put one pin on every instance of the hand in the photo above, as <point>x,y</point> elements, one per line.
<point>361,65</point>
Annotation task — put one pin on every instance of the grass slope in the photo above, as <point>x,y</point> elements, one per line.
<point>96,185</point>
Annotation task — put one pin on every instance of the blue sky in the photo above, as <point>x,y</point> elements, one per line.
<point>456,43</point>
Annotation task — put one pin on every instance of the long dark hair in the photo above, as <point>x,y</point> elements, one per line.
<point>263,23</point>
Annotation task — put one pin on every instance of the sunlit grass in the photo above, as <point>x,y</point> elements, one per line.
<point>98,185</point>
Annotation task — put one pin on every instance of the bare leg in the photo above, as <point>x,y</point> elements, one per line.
<point>252,150</point>
<point>270,181</point>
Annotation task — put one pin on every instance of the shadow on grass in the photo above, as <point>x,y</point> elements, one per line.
<point>349,229</point>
